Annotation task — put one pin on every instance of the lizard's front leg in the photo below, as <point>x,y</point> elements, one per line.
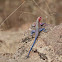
<point>42,24</point>
<point>34,24</point>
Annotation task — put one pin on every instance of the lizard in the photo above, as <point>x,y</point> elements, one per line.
<point>36,31</point>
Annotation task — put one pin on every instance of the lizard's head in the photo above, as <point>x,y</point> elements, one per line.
<point>39,18</point>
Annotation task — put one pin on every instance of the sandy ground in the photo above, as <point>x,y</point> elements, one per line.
<point>14,46</point>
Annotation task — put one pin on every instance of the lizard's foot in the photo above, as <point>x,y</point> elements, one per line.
<point>33,31</point>
<point>45,30</point>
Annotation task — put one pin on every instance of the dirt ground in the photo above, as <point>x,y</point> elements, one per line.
<point>15,45</point>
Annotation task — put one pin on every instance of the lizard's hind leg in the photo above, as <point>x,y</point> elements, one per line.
<point>42,29</point>
<point>33,31</point>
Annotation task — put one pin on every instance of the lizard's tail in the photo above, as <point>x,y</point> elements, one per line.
<point>31,47</point>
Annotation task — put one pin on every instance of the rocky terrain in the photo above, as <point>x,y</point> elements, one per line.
<point>15,25</point>
<point>14,46</point>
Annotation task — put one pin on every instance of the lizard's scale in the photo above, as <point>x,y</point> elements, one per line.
<point>37,30</point>
<point>36,35</point>
<point>32,46</point>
